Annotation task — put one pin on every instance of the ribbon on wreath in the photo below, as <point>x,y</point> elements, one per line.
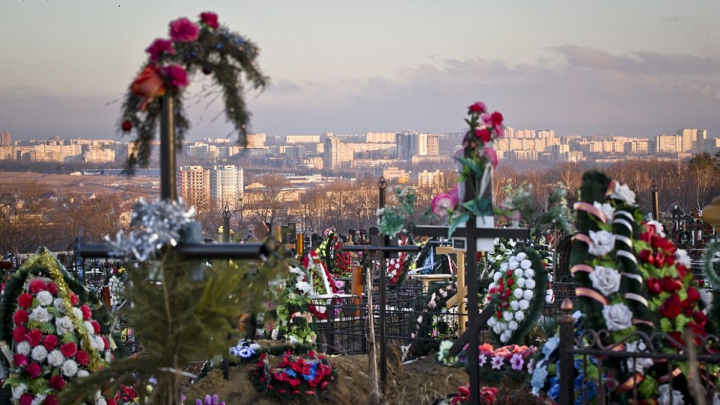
<point>590,209</point>
<point>631,382</point>
<point>581,267</point>
<point>590,293</point>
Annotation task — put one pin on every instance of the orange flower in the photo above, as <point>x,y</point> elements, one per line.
<point>149,85</point>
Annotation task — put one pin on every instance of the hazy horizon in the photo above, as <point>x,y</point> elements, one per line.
<point>616,67</point>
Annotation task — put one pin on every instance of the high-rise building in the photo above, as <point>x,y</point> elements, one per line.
<point>693,140</point>
<point>226,186</point>
<point>337,154</point>
<point>669,144</point>
<point>5,138</point>
<point>414,143</point>
<point>194,182</point>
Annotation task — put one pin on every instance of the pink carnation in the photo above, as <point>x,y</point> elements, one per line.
<point>19,360</point>
<point>52,288</point>
<point>184,30</point>
<point>175,76</point>
<point>86,312</point>
<point>25,300</point>
<point>443,203</point>
<point>209,19</point>
<point>20,317</point>
<point>160,47</point>
<point>26,399</point>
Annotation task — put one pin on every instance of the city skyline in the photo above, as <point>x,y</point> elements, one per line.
<point>616,68</point>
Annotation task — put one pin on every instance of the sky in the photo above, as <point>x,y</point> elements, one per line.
<point>619,67</point>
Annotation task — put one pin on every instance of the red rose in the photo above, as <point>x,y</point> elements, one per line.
<point>510,282</point>
<point>659,259</point>
<point>646,256</point>
<point>20,317</point>
<point>34,370</point>
<point>496,119</point>
<point>34,337</point>
<point>692,294</point>
<point>82,358</point>
<point>483,134</point>
<point>175,76</point>
<point>700,318</point>
<point>25,300</point>
<point>86,312</point>
<point>50,400</point>
<point>477,108</point>
<point>105,342</point>
<point>52,288</point>
<point>68,349</point>
<point>50,341</point>
<point>56,382</point>
<point>74,299</point>
<point>26,399</point>
<point>96,326</point>
<point>37,285</point>
<point>646,236</point>
<point>654,286</point>
<point>183,30</point>
<point>671,307</point>
<point>158,48</point>
<point>669,284</point>
<point>682,270</point>
<point>209,19</point>
<point>670,260</point>
<point>19,360</point>
<point>19,333</point>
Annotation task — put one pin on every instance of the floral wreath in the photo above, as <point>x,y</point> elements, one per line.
<point>205,46</point>
<point>512,361</point>
<point>323,282</point>
<point>337,261</point>
<point>518,292</point>
<point>397,268</point>
<point>629,277</point>
<point>295,378</point>
<point>432,323</point>
<point>54,338</point>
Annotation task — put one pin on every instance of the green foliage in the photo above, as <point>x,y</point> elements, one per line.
<point>394,218</point>
<point>178,320</point>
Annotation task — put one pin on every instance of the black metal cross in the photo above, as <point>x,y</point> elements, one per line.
<point>469,239</point>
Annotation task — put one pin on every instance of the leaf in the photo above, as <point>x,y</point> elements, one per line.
<point>456,221</point>
<point>47,328</point>
<point>472,165</point>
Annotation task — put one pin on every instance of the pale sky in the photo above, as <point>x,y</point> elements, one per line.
<point>620,67</point>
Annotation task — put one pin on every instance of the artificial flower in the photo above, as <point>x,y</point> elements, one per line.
<point>183,30</point>
<point>160,47</point>
<point>39,353</point>
<point>148,85</point>
<point>665,392</point>
<point>40,314</point>
<point>209,19</point>
<point>44,298</point>
<point>175,76</point>
<point>55,358</point>
<point>443,204</point>
<point>623,193</point>
<point>603,242</point>
<point>617,316</point>
<point>20,316</point>
<point>69,368</point>
<point>606,280</point>
<point>607,210</point>
<point>477,108</point>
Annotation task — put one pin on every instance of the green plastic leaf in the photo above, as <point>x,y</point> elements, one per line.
<point>456,221</point>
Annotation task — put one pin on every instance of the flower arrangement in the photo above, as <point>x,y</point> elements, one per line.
<point>495,363</point>
<point>488,394</point>
<point>204,46</point>
<point>477,159</point>
<point>295,378</point>
<point>435,321</point>
<point>518,293</point>
<point>290,317</point>
<point>397,267</point>
<point>54,337</point>
<point>337,262</point>
<point>209,400</point>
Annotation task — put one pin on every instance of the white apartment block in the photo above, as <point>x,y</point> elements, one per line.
<point>226,186</point>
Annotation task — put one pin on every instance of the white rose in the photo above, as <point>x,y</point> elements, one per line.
<point>89,327</point>
<point>658,227</point>
<point>40,314</point>
<point>623,192</point>
<point>491,286</point>
<point>496,329</point>
<point>605,280</point>
<point>529,273</point>
<point>513,264</point>
<point>58,304</point>
<point>682,257</point>
<point>640,363</point>
<point>23,348</point>
<point>521,256</point>
<point>109,356</point>
<point>508,316</point>
<point>525,264</point>
<point>518,293</point>
<point>39,353</point>
<point>77,312</point>
<point>664,398</point>
<point>18,390</point>
<point>497,276</point>
<point>606,209</point>
<point>617,316</point>
<point>45,298</point>
<point>38,399</point>
<point>492,321</point>
<point>99,342</point>
<point>55,358</point>
<point>513,325</point>
<point>69,368</point>
<point>504,267</point>
<point>528,294</point>
<point>530,284</point>
<point>514,305</point>
<point>524,304</point>
<point>63,325</point>
<point>504,338</point>
<point>508,333</point>
<point>520,282</point>
<point>82,373</point>
<point>603,243</point>
<point>519,316</point>
<point>518,272</point>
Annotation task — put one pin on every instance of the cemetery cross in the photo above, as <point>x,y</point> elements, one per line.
<point>476,236</point>
<point>383,246</point>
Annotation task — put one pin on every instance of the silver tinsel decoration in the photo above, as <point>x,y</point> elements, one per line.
<point>153,226</point>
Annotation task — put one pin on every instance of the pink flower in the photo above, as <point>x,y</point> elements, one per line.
<point>34,370</point>
<point>19,360</point>
<point>491,155</point>
<point>56,382</point>
<point>483,134</point>
<point>517,361</point>
<point>34,337</point>
<point>26,399</point>
<point>496,119</point>
<point>209,19</point>
<point>68,349</point>
<point>184,30</point>
<point>86,312</point>
<point>50,342</point>
<point>19,333</point>
<point>497,362</point>
<point>443,203</point>
<point>52,288</point>
<point>74,299</point>
<point>175,76</point>
<point>20,317</point>
<point>82,357</point>
<point>477,108</point>
<point>160,47</point>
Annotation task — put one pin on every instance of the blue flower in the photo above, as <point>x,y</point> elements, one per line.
<point>554,392</point>
<point>550,346</point>
<point>538,377</point>
<point>290,372</point>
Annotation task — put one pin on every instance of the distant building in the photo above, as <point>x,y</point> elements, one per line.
<point>302,139</point>
<point>337,154</point>
<point>5,138</point>
<point>226,186</point>
<point>194,181</point>
<point>380,137</point>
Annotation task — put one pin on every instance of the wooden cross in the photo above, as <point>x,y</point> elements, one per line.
<point>478,235</point>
